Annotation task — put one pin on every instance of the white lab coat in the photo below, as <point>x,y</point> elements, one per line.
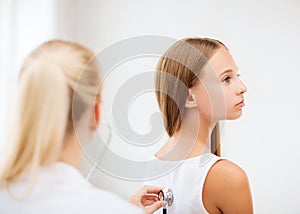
<point>61,189</point>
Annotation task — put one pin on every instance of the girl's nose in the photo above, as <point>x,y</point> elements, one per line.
<point>242,88</point>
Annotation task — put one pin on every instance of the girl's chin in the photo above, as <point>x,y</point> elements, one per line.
<point>234,116</point>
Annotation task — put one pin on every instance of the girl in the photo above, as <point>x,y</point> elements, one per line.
<point>197,85</point>
<point>58,94</point>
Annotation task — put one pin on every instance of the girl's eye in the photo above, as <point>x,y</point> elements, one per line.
<point>227,79</point>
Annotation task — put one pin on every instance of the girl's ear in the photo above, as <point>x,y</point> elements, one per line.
<point>190,101</point>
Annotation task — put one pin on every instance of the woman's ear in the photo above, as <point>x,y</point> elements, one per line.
<point>190,101</point>
<point>96,118</point>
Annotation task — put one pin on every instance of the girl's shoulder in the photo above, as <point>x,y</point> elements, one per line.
<point>225,167</point>
<point>226,174</point>
<point>227,183</point>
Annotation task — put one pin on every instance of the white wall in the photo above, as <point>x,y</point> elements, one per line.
<point>23,26</point>
<point>262,36</point>
<point>5,63</point>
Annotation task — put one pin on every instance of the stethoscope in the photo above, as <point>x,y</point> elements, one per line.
<point>167,195</point>
<point>100,157</point>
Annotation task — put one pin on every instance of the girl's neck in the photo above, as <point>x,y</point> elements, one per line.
<point>191,140</point>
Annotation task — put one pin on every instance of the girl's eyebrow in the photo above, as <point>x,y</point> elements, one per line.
<point>228,71</point>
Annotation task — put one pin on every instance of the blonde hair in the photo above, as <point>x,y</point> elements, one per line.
<point>48,81</point>
<point>185,61</point>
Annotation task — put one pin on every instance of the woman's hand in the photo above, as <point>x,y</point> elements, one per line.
<point>146,198</point>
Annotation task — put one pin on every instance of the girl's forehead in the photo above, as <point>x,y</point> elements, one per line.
<point>221,61</point>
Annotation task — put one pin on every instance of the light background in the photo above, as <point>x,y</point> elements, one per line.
<point>262,36</point>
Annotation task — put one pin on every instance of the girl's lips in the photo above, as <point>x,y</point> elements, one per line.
<point>240,104</point>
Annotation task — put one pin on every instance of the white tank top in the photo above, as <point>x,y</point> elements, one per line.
<point>186,182</point>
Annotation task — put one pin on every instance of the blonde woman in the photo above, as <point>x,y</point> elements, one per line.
<point>58,90</point>
<point>197,85</point>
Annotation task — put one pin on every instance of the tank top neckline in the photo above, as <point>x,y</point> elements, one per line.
<point>187,159</point>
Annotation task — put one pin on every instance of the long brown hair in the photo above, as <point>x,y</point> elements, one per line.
<point>185,61</point>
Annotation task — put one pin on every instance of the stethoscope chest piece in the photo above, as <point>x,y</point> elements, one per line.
<point>166,194</point>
